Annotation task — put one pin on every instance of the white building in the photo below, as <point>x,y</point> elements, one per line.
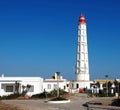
<point>33,85</point>
<point>10,85</point>
<point>54,82</point>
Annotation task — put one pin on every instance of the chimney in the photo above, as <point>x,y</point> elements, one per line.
<point>2,76</point>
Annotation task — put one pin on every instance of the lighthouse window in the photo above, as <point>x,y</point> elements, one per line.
<point>82,56</point>
<point>82,64</point>
<point>82,32</point>
<point>82,48</point>
<point>82,38</point>
<point>82,26</point>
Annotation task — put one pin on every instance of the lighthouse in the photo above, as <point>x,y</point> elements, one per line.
<point>82,63</point>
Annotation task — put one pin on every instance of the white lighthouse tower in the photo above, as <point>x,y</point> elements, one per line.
<point>82,65</point>
<point>82,80</point>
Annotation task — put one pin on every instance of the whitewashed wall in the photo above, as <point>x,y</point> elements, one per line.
<point>50,85</point>
<point>35,82</point>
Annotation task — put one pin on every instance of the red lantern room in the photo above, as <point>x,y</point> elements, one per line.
<point>82,19</point>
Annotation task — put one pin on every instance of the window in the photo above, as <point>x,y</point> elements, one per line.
<point>9,88</point>
<point>64,87</point>
<point>77,85</point>
<point>55,86</point>
<point>31,89</point>
<point>67,85</point>
<point>49,86</point>
<point>2,86</point>
<point>72,85</point>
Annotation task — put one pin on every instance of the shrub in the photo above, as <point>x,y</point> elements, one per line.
<point>11,96</point>
<point>58,99</point>
<point>116,102</point>
<point>53,93</point>
<point>41,95</point>
<point>61,92</point>
<point>104,95</point>
<point>3,97</point>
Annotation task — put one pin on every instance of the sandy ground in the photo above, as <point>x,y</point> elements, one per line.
<point>4,106</point>
<point>75,104</point>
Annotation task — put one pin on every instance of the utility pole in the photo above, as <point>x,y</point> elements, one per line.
<point>106,76</point>
<point>58,77</point>
<point>118,90</point>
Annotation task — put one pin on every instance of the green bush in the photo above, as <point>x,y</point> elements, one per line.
<point>41,95</point>
<point>52,93</point>
<point>104,95</point>
<point>58,99</point>
<point>2,97</point>
<point>11,96</point>
<point>61,92</point>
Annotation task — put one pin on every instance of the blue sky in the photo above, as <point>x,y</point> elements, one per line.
<point>39,37</point>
